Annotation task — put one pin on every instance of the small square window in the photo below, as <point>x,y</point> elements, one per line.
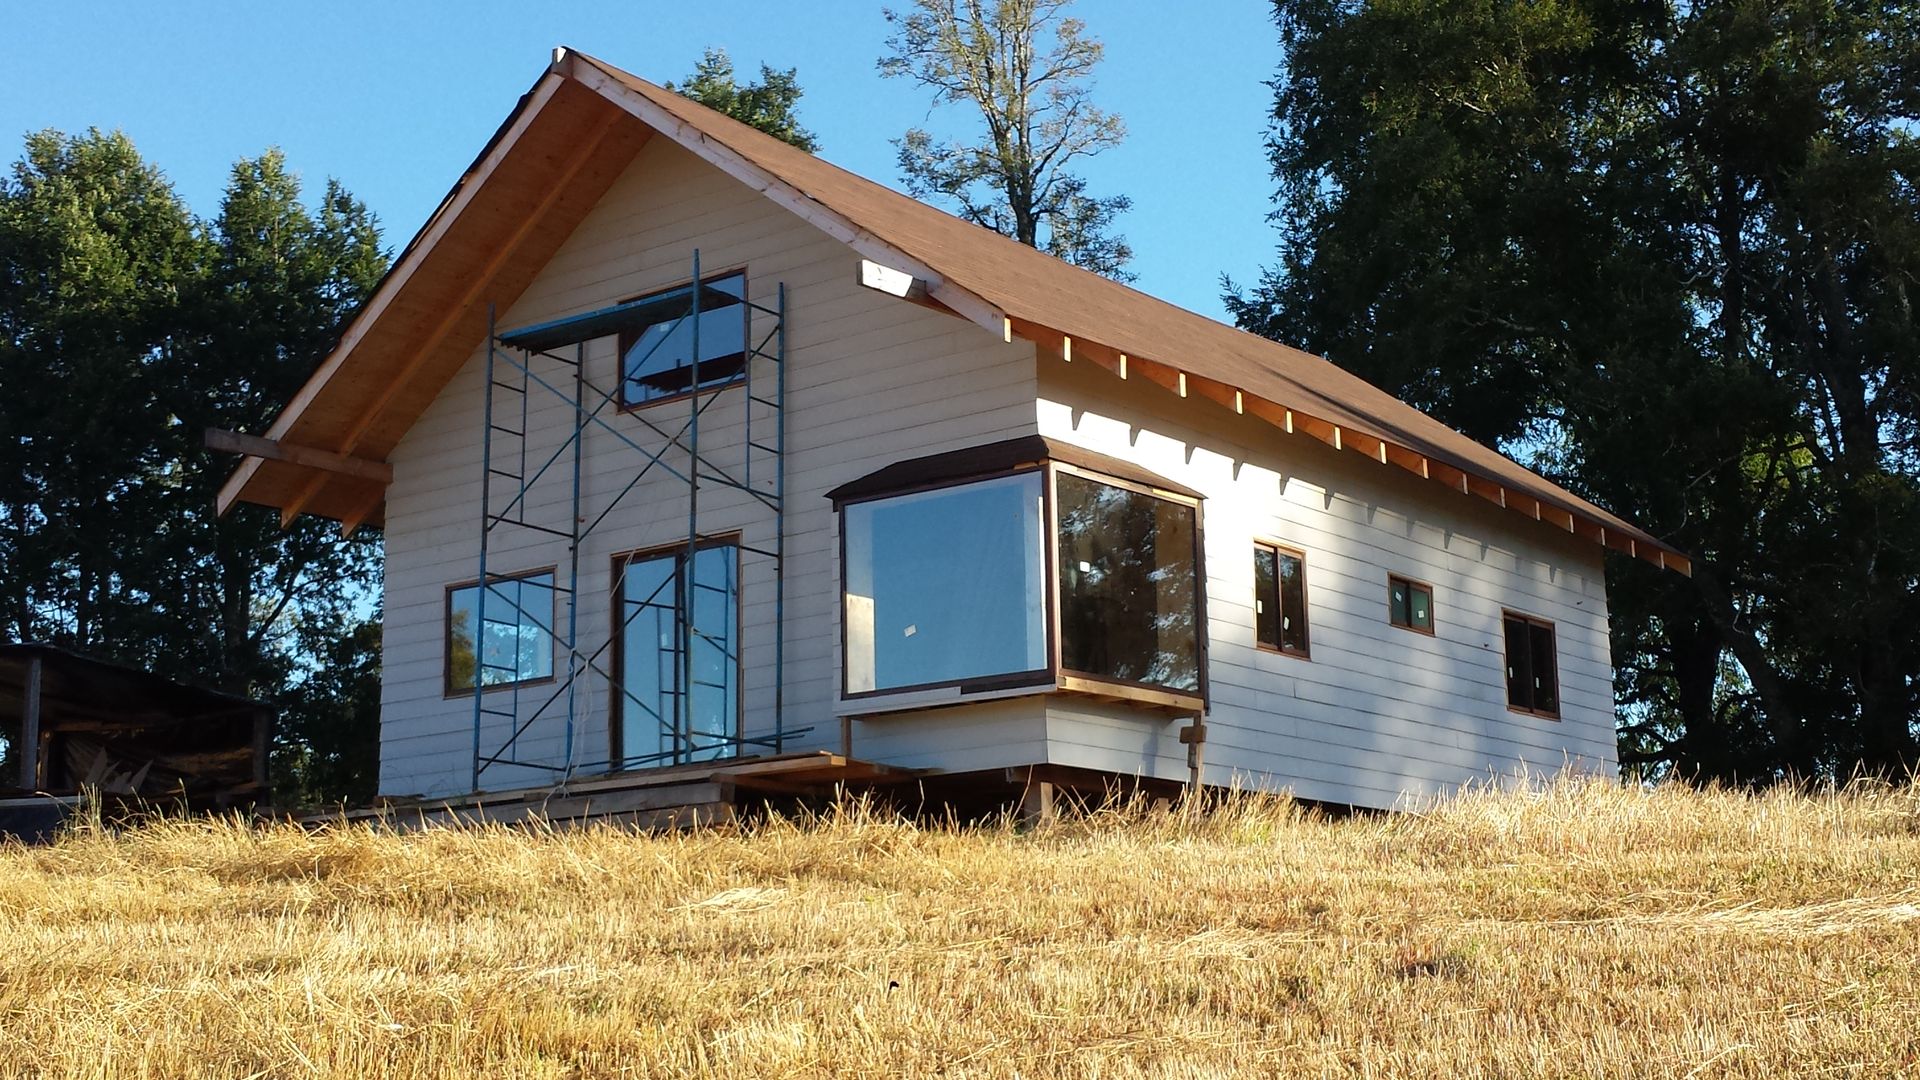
<point>514,640</point>
<point>1280,599</point>
<point>656,361</point>
<point>1410,604</point>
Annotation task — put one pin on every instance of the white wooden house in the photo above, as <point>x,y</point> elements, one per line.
<point>889,485</point>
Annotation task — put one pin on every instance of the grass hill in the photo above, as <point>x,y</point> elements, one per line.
<point>1582,930</point>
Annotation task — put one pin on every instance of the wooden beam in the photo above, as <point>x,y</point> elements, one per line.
<point>30,728</point>
<point>312,457</point>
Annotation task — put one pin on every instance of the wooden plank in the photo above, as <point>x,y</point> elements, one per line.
<point>311,457</point>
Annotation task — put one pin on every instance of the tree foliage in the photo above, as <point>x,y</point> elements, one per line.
<point>128,327</point>
<point>1027,68</point>
<point>770,104</point>
<point>1668,253</point>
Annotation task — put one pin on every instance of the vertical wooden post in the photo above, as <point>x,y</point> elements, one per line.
<point>30,729</point>
<point>1036,803</point>
<point>1195,736</point>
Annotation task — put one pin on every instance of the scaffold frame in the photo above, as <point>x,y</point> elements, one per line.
<point>510,369</point>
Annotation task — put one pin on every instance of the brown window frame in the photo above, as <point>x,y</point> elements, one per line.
<point>1278,648</point>
<point>450,691</point>
<point>626,339</point>
<point>1532,622</point>
<point>1413,585</point>
<point>617,565</point>
<point>1055,676</point>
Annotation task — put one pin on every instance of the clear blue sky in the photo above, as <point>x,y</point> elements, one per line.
<point>395,98</point>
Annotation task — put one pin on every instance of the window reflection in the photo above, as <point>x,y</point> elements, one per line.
<point>944,586</point>
<point>1129,595</point>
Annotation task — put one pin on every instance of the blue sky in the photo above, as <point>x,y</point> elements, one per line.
<point>396,98</point>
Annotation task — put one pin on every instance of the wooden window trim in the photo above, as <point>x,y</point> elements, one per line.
<point>1280,548</point>
<point>625,340</point>
<point>448,690</point>
<point>1553,633</point>
<point>1433,614</point>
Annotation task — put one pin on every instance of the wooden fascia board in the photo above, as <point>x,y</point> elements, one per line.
<point>729,161</point>
<point>1239,401</point>
<point>416,255</point>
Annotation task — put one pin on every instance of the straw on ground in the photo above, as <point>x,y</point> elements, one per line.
<point>1582,930</point>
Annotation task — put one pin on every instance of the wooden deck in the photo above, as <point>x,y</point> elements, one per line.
<point>676,796</point>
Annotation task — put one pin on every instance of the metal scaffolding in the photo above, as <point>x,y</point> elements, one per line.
<point>516,360</point>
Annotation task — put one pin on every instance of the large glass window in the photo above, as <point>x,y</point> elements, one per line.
<point>1129,587</point>
<point>513,645</point>
<point>945,586</point>
<point>656,361</point>
<point>665,711</point>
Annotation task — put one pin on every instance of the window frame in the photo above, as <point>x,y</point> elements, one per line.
<point>625,340</point>
<point>448,690</point>
<point>1412,584</point>
<point>1506,661</point>
<point>1055,677</point>
<point>616,602</point>
<point>1049,619</point>
<point>1069,678</point>
<point>1306,592</point>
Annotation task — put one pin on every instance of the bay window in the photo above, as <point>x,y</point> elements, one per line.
<point>1023,564</point>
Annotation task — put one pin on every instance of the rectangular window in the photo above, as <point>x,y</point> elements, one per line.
<point>943,587</point>
<point>1410,604</point>
<point>656,361</point>
<point>1129,584</point>
<point>668,710</point>
<point>1533,669</point>
<point>515,637</point>
<point>1280,599</point>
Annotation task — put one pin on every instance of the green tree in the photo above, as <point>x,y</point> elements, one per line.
<point>1027,69</point>
<point>127,327</point>
<point>327,742</point>
<point>1666,254</point>
<point>770,104</point>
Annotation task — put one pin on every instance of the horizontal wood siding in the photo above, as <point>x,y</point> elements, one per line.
<point>1380,713</point>
<point>871,380</point>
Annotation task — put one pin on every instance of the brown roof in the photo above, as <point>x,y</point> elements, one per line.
<point>1015,289</point>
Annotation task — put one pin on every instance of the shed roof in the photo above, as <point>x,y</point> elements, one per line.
<point>580,125</point>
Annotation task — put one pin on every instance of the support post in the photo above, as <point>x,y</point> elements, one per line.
<point>1195,736</point>
<point>1037,805</point>
<point>486,527</point>
<point>685,726</point>
<point>30,728</point>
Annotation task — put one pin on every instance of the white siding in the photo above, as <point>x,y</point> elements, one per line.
<point>1378,713</point>
<point>871,380</point>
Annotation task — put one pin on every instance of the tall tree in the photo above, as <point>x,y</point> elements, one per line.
<point>1027,68</point>
<point>770,104</point>
<point>1667,254</point>
<point>127,327</point>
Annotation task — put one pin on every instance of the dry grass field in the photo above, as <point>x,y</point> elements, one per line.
<point>1584,930</point>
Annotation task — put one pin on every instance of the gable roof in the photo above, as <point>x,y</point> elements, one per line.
<point>582,123</point>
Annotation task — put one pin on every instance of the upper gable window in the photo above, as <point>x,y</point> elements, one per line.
<point>656,360</point>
